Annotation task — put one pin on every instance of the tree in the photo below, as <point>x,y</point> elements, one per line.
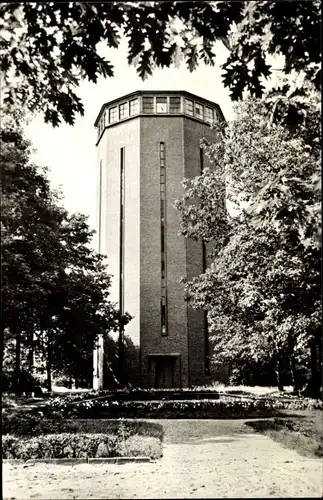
<point>55,288</point>
<point>46,49</point>
<point>82,313</point>
<point>262,288</point>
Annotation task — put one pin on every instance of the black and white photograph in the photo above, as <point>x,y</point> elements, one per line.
<point>161,257</point>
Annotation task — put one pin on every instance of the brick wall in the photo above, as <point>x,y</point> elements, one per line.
<point>193,132</point>
<point>122,135</point>
<point>153,131</point>
<point>141,139</point>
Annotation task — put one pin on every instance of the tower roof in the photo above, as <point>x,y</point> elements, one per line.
<point>147,93</point>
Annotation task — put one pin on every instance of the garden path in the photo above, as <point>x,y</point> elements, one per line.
<point>202,459</point>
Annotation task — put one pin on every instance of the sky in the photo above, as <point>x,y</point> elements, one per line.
<point>70,151</point>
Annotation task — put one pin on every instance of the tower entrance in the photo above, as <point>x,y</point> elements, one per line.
<point>164,371</point>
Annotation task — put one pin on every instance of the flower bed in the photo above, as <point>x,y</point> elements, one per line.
<point>229,408</point>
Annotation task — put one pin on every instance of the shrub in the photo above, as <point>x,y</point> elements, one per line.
<point>79,446</point>
<point>24,382</point>
<point>319,451</point>
<point>58,446</point>
<point>136,446</point>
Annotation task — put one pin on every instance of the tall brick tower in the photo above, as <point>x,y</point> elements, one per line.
<point>148,142</point>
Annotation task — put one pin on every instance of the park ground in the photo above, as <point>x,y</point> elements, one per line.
<point>202,459</point>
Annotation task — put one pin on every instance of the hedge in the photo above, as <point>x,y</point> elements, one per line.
<point>67,445</point>
<point>234,408</point>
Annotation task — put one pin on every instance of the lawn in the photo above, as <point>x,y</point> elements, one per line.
<point>294,422</point>
<point>300,430</point>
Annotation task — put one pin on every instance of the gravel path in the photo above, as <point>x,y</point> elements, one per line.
<point>202,459</point>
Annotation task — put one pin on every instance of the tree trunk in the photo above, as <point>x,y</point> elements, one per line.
<point>314,385</point>
<point>2,350</point>
<point>294,375</point>
<point>18,388</point>
<point>31,351</point>
<point>121,356</point>
<point>49,367</point>
<point>278,376</point>
<point>76,380</point>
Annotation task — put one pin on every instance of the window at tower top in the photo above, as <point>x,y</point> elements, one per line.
<point>189,107</point>
<point>133,107</point>
<point>123,110</point>
<point>113,114</point>
<point>148,105</point>
<point>175,104</point>
<point>199,111</point>
<point>209,115</point>
<point>161,105</point>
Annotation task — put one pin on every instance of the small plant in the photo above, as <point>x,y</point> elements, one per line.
<point>123,431</point>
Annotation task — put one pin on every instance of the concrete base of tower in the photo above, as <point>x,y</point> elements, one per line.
<point>98,365</point>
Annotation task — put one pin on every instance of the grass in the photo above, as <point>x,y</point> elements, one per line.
<point>136,427</point>
<point>22,424</point>
<point>301,431</point>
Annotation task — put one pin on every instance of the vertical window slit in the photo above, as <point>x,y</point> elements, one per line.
<point>122,217</point>
<point>163,254</point>
<point>100,204</point>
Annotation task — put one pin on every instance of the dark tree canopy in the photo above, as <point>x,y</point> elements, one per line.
<point>55,288</point>
<point>46,49</point>
<point>261,289</point>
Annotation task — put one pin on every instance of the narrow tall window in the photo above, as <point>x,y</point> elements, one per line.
<point>100,205</point>
<point>206,323</point>
<point>163,252</point>
<point>204,264</point>
<point>122,217</point>
<point>201,160</point>
<point>121,263</point>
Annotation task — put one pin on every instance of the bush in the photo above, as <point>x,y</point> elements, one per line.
<point>58,446</point>
<point>140,446</point>
<point>79,446</point>
<point>23,382</point>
